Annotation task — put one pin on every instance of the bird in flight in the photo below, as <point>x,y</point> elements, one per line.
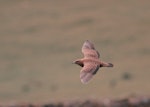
<point>90,63</point>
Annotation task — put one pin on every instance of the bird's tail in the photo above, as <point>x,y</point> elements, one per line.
<point>105,64</point>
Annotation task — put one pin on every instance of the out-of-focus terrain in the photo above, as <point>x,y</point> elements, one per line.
<point>132,101</point>
<point>40,39</point>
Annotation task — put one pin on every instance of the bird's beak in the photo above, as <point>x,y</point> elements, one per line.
<point>73,62</point>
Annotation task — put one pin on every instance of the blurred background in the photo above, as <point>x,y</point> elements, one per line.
<point>40,39</point>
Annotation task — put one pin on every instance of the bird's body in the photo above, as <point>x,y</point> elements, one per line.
<point>90,63</point>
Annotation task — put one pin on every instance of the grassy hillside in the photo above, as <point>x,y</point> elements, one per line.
<point>40,39</point>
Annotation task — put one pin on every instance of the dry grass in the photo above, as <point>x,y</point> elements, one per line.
<point>40,39</point>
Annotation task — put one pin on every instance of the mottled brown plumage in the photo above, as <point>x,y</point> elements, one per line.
<point>90,63</point>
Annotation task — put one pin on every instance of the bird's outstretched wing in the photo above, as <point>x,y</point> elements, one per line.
<point>88,71</point>
<point>88,50</point>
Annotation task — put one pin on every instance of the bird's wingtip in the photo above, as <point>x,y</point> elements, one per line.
<point>83,82</point>
<point>86,41</point>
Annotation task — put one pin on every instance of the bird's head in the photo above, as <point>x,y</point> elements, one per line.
<point>78,62</point>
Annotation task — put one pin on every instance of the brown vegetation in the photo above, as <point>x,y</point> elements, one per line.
<point>127,102</point>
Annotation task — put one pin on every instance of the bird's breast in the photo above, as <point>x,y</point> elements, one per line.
<point>91,60</point>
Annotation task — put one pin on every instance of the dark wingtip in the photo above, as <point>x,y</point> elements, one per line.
<point>87,41</point>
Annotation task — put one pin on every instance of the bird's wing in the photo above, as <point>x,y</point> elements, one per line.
<point>88,71</point>
<point>88,50</point>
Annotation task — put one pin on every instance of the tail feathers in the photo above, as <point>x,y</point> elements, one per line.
<point>105,64</point>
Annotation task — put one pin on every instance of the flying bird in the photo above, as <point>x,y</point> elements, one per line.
<point>90,63</point>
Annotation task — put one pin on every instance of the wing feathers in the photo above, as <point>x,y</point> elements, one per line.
<point>85,77</point>
<point>88,45</point>
<point>89,51</point>
<point>90,63</point>
<point>88,71</point>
